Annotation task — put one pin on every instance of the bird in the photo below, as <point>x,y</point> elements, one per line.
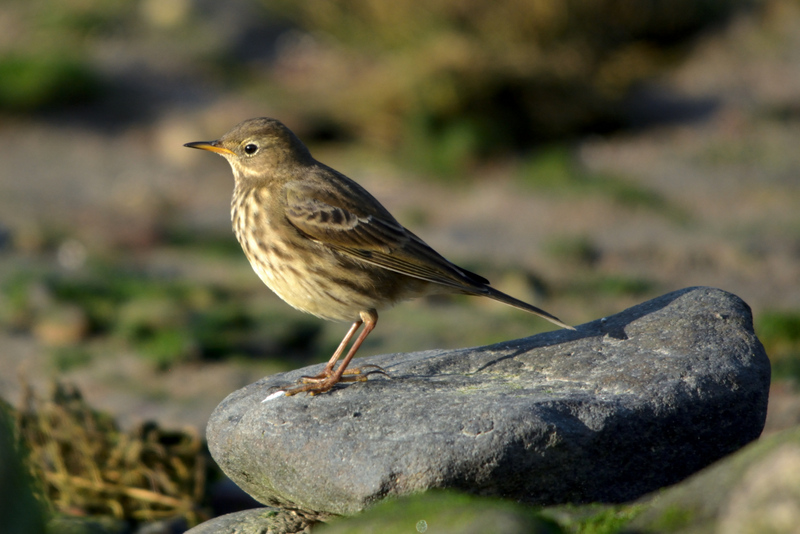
<point>326,246</point>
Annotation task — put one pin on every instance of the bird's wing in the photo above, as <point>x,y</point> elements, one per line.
<point>366,231</point>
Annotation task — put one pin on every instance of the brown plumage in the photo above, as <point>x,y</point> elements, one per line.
<point>326,246</point>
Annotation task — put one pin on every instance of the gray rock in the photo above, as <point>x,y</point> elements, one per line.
<point>254,521</point>
<point>625,405</point>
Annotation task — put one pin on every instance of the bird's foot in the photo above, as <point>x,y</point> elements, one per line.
<point>327,379</point>
<point>312,389</point>
<point>357,374</point>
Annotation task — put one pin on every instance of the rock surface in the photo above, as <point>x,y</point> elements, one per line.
<point>625,405</point>
<point>254,521</point>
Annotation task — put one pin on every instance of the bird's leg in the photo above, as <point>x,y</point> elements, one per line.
<point>336,355</point>
<point>370,320</point>
<point>328,378</point>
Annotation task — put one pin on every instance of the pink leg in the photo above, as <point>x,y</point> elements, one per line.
<point>328,378</point>
<point>337,354</point>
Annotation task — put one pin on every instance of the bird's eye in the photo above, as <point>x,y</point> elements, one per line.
<point>250,149</point>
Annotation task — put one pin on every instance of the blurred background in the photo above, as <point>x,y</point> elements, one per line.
<point>584,155</point>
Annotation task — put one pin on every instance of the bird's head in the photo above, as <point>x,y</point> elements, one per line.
<point>259,149</point>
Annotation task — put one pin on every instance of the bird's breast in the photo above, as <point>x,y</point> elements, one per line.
<point>307,274</point>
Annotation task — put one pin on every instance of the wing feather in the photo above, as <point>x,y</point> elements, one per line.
<point>368,232</point>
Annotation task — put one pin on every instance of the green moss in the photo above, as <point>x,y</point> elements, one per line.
<point>444,151</point>
<point>779,327</point>
<point>167,347</point>
<point>33,82</point>
<point>69,358</point>
<point>779,331</point>
<point>593,518</point>
<point>166,319</point>
<point>452,512</point>
<point>673,519</point>
<point>445,512</point>
<point>221,245</point>
<point>551,168</point>
<point>610,520</point>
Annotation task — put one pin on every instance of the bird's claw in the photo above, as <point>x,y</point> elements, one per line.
<point>350,375</point>
<point>325,380</point>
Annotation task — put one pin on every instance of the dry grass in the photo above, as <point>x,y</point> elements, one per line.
<point>86,466</point>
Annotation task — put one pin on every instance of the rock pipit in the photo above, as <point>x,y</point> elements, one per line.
<point>326,246</point>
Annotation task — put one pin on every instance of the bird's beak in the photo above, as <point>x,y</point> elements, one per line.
<point>211,146</point>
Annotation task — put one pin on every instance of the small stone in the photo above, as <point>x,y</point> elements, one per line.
<point>754,491</point>
<point>768,497</point>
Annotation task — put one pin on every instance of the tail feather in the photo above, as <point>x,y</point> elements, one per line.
<point>511,301</point>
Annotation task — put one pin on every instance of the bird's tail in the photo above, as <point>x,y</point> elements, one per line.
<point>511,301</point>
